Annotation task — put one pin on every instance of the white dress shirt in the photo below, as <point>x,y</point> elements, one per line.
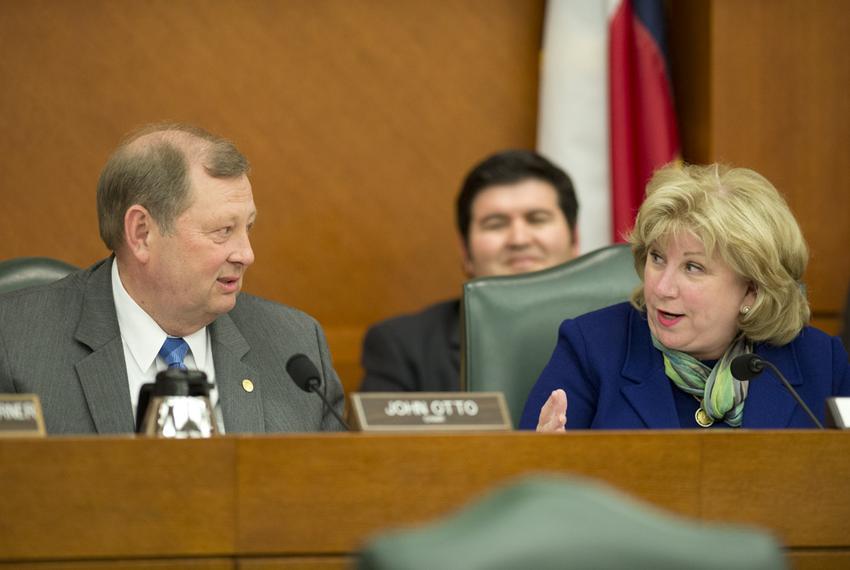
<point>142,338</point>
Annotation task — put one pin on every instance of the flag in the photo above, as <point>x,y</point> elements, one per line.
<point>643,121</point>
<point>606,107</point>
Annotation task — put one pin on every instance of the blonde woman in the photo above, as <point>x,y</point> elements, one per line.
<point>721,259</point>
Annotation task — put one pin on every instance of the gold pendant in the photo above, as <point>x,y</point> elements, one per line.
<point>702,418</point>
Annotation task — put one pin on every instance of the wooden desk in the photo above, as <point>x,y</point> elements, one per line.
<point>310,500</point>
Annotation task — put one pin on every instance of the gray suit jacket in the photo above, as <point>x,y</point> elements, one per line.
<point>62,342</point>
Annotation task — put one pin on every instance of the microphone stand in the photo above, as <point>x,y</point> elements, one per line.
<point>793,392</point>
<point>313,385</point>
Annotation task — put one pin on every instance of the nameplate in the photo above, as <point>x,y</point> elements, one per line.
<point>838,413</point>
<point>430,411</point>
<point>20,416</point>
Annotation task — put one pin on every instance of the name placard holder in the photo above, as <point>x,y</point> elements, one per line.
<point>430,411</point>
<point>21,416</point>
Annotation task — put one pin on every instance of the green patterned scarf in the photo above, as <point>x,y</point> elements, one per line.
<point>721,396</point>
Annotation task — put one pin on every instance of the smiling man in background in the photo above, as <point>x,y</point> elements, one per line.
<point>516,212</point>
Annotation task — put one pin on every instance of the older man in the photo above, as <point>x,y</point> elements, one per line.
<point>176,208</point>
<point>516,212</point>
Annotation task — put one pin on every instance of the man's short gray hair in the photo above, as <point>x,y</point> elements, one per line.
<point>151,168</point>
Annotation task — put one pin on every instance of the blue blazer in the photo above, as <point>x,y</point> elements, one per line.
<point>614,378</point>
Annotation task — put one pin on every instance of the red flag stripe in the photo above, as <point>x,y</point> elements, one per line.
<point>643,124</point>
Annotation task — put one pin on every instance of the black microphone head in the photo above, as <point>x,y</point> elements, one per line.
<point>303,372</point>
<point>746,366</point>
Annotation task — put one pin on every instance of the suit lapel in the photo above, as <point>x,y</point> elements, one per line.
<point>646,387</point>
<point>768,402</point>
<point>242,410</point>
<point>103,373</point>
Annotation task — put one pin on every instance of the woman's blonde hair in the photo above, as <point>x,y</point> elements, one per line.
<point>738,214</point>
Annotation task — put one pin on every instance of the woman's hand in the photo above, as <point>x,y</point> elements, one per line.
<point>553,415</point>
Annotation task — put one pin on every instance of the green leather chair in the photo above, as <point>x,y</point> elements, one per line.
<point>509,324</point>
<point>22,272</point>
<point>549,523</point>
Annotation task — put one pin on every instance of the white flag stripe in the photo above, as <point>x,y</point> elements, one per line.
<point>573,108</point>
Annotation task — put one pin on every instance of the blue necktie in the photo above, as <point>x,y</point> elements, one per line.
<point>173,352</point>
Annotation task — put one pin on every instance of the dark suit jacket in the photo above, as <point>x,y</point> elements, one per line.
<point>614,377</point>
<point>419,352</point>
<point>62,342</point>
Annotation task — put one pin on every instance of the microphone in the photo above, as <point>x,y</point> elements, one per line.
<point>306,376</point>
<point>747,366</point>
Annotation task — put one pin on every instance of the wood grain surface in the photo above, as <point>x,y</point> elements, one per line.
<point>760,84</point>
<point>361,119</point>
<point>277,500</point>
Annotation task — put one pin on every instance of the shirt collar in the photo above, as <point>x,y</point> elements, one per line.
<point>143,336</point>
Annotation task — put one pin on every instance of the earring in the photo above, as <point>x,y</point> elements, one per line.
<point>745,309</point>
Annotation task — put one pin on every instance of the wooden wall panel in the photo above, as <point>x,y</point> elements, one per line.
<point>689,37</point>
<point>359,118</point>
<point>781,105</point>
<point>763,84</point>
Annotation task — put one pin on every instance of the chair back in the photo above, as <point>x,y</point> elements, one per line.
<point>21,272</point>
<point>509,324</point>
<point>550,522</point>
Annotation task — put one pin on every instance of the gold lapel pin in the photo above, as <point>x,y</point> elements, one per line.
<point>702,418</point>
